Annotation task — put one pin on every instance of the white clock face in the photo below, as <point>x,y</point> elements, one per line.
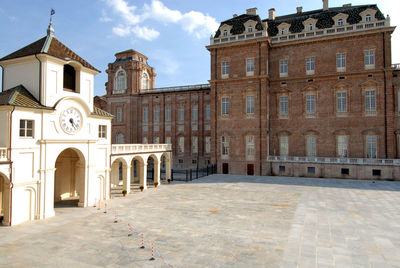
<point>71,120</point>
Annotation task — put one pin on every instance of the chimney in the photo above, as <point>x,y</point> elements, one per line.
<point>234,15</point>
<point>271,14</point>
<point>299,10</point>
<point>347,5</point>
<point>251,11</point>
<point>326,6</point>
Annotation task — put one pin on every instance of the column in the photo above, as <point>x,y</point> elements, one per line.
<point>157,167</point>
<point>167,169</point>
<point>127,179</point>
<point>143,176</point>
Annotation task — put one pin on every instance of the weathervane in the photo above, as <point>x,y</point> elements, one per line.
<point>50,29</point>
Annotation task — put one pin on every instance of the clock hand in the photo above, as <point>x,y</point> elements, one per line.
<point>71,120</point>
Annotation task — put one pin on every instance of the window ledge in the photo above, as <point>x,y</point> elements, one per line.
<point>225,76</point>
<point>250,116</point>
<point>283,116</point>
<point>371,113</point>
<point>310,72</point>
<point>283,75</point>
<point>249,73</point>
<point>310,115</point>
<point>370,67</point>
<point>341,114</point>
<point>340,70</point>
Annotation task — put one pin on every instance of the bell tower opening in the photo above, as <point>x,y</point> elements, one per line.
<point>69,78</point>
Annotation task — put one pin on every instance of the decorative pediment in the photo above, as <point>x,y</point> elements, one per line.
<point>309,24</point>
<point>310,88</point>
<point>284,133</point>
<point>340,19</point>
<point>283,28</point>
<point>368,12</point>
<point>225,28</point>
<point>371,131</point>
<point>250,24</point>
<point>283,90</point>
<point>342,85</point>
<point>311,132</point>
<point>369,84</point>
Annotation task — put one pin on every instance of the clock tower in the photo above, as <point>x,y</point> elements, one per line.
<point>60,142</point>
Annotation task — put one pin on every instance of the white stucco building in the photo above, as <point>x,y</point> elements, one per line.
<point>54,144</point>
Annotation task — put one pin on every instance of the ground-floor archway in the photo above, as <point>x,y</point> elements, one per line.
<point>69,179</point>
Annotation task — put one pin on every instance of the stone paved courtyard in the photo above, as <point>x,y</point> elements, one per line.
<point>221,221</point>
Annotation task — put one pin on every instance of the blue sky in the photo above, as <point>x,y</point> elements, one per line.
<point>172,33</point>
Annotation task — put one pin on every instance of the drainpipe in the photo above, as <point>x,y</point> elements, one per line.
<point>268,113</point>
<point>11,168</point>
<point>384,94</point>
<point>2,78</point>
<point>40,80</point>
<point>259,105</point>
<point>216,108</point>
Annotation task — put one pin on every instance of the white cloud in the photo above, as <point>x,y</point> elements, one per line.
<point>145,33</point>
<point>122,30</point>
<point>199,24</point>
<point>165,62</point>
<point>104,17</point>
<point>159,12</point>
<point>124,10</point>
<point>193,22</point>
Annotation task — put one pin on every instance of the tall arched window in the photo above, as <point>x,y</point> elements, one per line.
<point>120,82</point>
<point>145,81</point>
<point>119,139</point>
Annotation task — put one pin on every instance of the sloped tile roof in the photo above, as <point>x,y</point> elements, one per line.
<point>238,22</point>
<point>51,46</point>
<point>20,96</point>
<point>324,18</point>
<point>100,112</point>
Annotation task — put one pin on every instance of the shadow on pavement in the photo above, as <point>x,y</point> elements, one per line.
<point>295,181</point>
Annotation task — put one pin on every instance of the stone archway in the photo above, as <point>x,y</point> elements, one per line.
<point>165,166</point>
<point>69,179</point>
<point>137,169</point>
<point>118,174</point>
<point>4,200</point>
<point>153,170</point>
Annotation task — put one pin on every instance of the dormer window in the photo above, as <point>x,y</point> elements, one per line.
<point>368,18</point>
<point>145,81</point>
<point>250,29</point>
<point>225,33</point>
<point>69,78</point>
<point>310,27</point>
<point>120,82</point>
<point>340,22</point>
<point>283,31</point>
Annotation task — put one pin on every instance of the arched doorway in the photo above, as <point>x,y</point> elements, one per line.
<point>165,166</point>
<point>150,170</point>
<point>118,168</point>
<point>162,168</point>
<point>4,204</point>
<point>69,179</point>
<point>137,170</point>
<point>153,170</point>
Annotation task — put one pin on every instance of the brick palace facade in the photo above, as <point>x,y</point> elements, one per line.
<point>307,94</point>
